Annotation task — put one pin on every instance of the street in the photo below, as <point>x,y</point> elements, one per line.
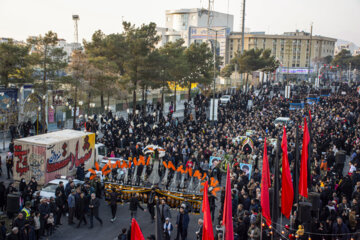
<point>111,230</point>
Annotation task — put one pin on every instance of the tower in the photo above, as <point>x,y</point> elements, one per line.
<point>76,18</point>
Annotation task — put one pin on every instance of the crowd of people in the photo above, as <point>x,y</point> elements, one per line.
<point>191,142</point>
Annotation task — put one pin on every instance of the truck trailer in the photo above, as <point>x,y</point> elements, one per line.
<point>49,156</point>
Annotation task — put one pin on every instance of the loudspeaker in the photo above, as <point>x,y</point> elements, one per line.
<point>13,203</point>
<point>305,212</point>
<point>314,198</point>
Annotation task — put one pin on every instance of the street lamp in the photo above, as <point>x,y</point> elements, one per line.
<point>37,120</point>
<point>5,124</point>
<point>214,50</point>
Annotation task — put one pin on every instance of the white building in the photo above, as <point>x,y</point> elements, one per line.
<point>179,22</point>
<point>68,47</point>
<point>192,26</point>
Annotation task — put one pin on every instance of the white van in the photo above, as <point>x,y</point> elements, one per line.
<point>282,121</point>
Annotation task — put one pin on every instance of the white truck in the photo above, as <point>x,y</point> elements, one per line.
<point>49,156</point>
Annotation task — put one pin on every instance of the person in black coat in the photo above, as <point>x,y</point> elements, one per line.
<point>80,172</point>
<point>134,205</point>
<point>94,210</point>
<point>80,208</point>
<point>60,207</point>
<point>151,204</point>
<point>2,196</point>
<point>33,184</point>
<point>44,214</point>
<point>182,223</point>
<point>22,185</point>
<point>113,203</point>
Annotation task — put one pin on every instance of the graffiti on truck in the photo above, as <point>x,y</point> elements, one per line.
<point>36,160</point>
<point>55,163</point>
<point>22,165</point>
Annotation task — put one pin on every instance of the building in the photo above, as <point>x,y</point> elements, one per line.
<point>212,35</point>
<point>356,52</point>
<point>291,48</point>
<point>192,26</point>
<point>342,44</point>
<point>68,47</point>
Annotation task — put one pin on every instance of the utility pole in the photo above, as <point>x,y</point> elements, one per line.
<point>243,35</point>
<point>309,62</point>
<point>76,18</point>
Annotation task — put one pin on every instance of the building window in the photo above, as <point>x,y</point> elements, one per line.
<point>167,19</point>
<point>293,65</point>
<point>297,65</point>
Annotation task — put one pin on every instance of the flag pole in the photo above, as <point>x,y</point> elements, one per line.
<point>276,185</point>
<point>261,225</point>
<point>296,168</point>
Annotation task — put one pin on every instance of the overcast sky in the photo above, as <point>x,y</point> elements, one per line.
<point>22,18</point>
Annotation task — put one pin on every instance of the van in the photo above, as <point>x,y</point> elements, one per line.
<point>282,121</point>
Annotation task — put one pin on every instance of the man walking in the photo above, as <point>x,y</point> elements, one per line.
<point>113,203</point>
<point>151,204</point>
<point>71,205</point>
<point>94,210</point>
<point>80,208</point>
<point>134,205</point>
<point>182,223</point>
<point>164,211</point>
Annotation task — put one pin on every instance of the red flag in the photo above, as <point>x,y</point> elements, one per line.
<point>310,116</point>
<point>208,233</point>
<point>303,184</point>
<point>227,212</point>
<point>136,233</point>
<point>265,184</point>
<point>287,190</point>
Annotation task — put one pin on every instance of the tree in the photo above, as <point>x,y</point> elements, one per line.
<point>51,62</point>
<point>201,62</point>
<point>227,70</point>
<point>175,66</point>
<point>248,62</point>
<point>15,63</point>
<point>139,43</point>
<point>342,58</point>
<point>77,69</point>
<point>269,62</point>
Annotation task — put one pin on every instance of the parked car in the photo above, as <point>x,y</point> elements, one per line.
<point>225,99</point>
<point>48,190</point>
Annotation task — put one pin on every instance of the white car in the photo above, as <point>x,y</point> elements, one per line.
<point>282,121</point>
<point>225,99</point>
<point>49,189</point>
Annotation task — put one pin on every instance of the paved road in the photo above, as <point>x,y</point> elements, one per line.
<point>111,230</point>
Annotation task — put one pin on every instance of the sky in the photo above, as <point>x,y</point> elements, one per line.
<point>22,18</point>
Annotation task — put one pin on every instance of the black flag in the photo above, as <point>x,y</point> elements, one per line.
<point>158,224</point>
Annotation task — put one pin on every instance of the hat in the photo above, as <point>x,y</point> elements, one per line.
<point>167,219</point>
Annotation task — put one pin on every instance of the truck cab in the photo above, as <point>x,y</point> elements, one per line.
<point>100,152</point>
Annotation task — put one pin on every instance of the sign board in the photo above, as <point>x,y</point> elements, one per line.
<point>287,91</point>
<point>295,70</point>
<point>51,114</point>
<point>215,108</point>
